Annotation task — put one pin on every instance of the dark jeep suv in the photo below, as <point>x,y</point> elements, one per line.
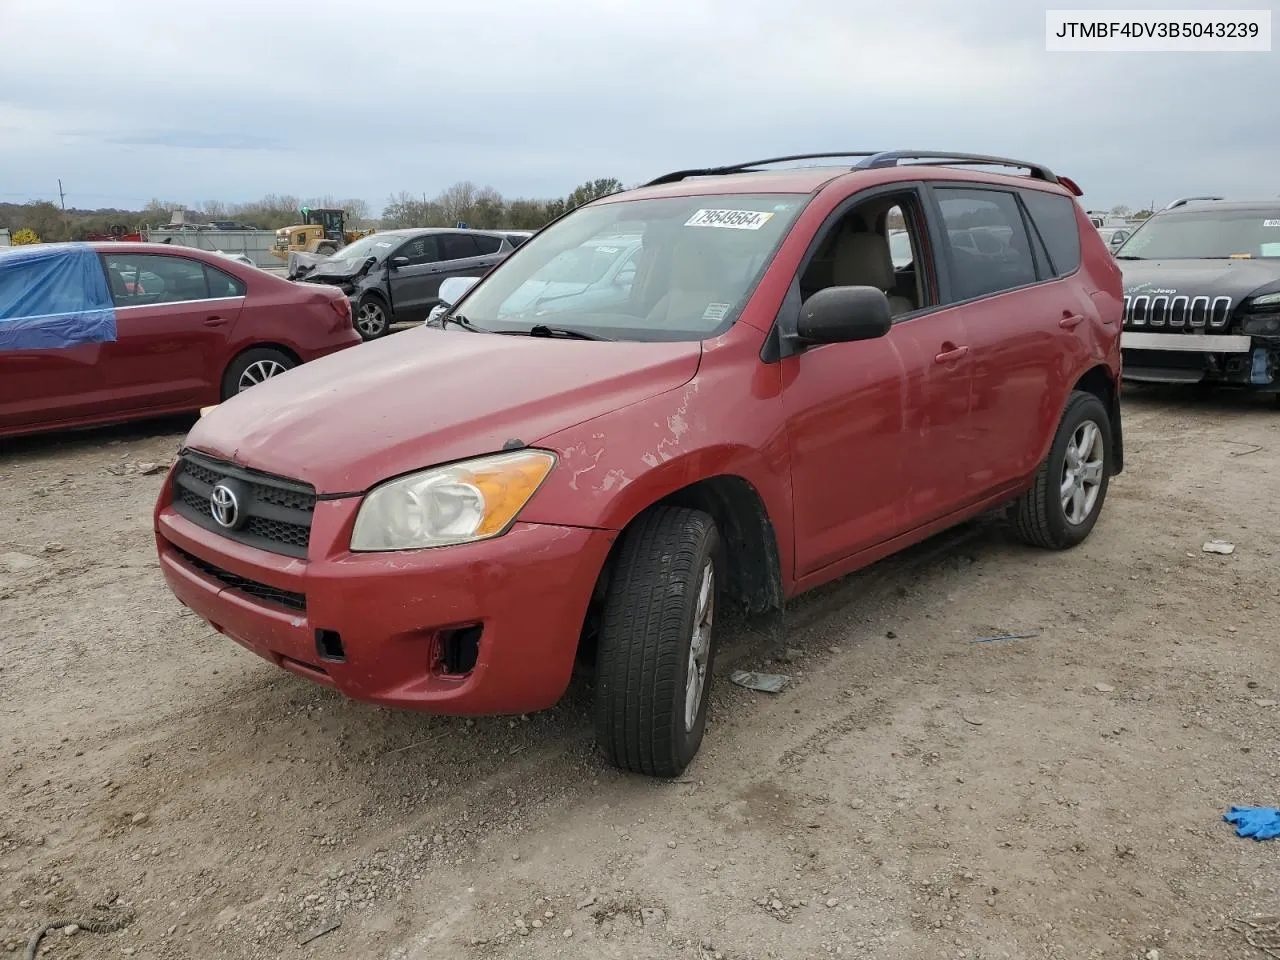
<point>1202,295</point>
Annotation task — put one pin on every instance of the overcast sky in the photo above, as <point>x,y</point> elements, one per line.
<point>133,99</point>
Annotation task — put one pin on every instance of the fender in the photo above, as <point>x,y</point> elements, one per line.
<point>616,465</point>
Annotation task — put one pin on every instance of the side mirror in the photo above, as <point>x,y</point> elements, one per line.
<point>452,289</point>
<point>844,314</point>
<point>397,262</point>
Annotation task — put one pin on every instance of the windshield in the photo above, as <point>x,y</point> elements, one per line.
<point>584,264</point>
<point>1206,235</point>
<point>375,245</point>
<point>685,268</point>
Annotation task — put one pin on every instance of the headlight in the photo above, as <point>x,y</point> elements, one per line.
<point>1261,326</point>
<point>1266,300</point>
<point>459,503</point>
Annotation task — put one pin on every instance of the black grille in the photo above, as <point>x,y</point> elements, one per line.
<point>252,588</point>
<point>1180,313</point>
<point>275,513</point>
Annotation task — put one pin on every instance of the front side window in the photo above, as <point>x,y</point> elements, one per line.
<point>696,262</point>
<point>1206,234</point>
<point>419,250</point>
<point>989,248</point>
<point>146,279</point>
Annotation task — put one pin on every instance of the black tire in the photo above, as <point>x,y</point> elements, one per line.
<point>1039,516</point>
<point>646,632</point>
<point>257,364</point>
<point>372,317</point>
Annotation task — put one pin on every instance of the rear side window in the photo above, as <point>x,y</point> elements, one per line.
<point>1054,218</point>
<point>1002,258</point>
<point>139,280</point>
<point>487,245</point>
<point>223,284</point>
<point>456,246</point>
<point>516,239</point>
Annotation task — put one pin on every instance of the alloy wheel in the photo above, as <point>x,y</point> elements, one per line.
<point>1082,473</point>
<point>259,371</point>
<point>700,645</point>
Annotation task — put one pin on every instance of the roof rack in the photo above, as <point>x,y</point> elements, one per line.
<point>890,158</point>
<point>1184,200</point>
<point>750,166</point>
<point>870,160</point>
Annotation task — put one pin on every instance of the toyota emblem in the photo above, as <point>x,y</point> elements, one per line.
<point>224,506</point>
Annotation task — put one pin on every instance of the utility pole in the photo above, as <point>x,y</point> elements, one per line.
<point>61,195</point>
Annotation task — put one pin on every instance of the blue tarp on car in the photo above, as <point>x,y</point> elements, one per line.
<point>54,296</point>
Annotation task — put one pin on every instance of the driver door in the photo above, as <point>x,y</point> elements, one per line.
<point>415,285</point>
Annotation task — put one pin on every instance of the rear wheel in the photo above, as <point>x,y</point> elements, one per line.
<point>657,642</point>
<point>254,367</point>
<point>1063,504</point>
<point>372,318</point>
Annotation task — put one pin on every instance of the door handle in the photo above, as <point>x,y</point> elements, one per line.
<point>215,321</point>
<point>1070,321</point>
<point>951,354</point>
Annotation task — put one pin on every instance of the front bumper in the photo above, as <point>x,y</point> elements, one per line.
<point>1186,358</point>
<point>392,616</point>
<point>1185,342</point>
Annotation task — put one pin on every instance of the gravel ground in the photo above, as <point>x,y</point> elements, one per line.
<point>911,794</point>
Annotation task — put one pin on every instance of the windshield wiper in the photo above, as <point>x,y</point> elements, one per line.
<point>542,330</point>
<point>1131,258</point>
<point>461,321</point>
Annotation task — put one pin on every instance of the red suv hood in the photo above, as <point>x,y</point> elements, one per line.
<point>415,399</point>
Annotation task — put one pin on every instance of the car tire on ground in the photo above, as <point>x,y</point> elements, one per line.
<point>254,366</point>
<point>372,318</point>
<point>657,642</point>
<point>1064,502</point>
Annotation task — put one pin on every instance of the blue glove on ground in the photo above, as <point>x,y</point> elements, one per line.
<point>1261,823</point>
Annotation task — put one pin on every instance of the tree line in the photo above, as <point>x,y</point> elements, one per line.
<point>464,202</point>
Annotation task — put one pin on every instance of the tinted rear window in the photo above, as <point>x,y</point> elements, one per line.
<point>454,246</point>
<point>486,243</point>
<point>1054,217</point>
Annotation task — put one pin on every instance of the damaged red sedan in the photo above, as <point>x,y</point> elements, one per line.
<point>590,474</point>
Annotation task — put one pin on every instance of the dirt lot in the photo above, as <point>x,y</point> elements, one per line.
<point>911,795</point>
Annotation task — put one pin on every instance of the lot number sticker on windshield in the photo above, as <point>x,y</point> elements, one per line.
<point>729,219</point>
<point>1271,223</point>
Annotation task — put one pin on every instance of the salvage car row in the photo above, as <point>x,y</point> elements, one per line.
<point>654,408</point>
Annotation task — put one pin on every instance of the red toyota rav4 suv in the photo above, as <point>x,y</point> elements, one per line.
<point>764,404</point>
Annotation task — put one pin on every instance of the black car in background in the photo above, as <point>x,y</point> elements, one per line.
<point>1202,295</point>
<point>394,276</point>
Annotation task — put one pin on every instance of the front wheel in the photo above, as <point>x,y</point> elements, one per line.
<point>657,642</point>
<point>1063,504</point>
<point>254,367</point>
<point>372,320</point>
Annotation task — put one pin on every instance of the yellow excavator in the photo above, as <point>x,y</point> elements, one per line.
<point>323,231</point>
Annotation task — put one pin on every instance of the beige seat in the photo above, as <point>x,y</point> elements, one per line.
<point>864,260</point>
<point>697,289</point>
